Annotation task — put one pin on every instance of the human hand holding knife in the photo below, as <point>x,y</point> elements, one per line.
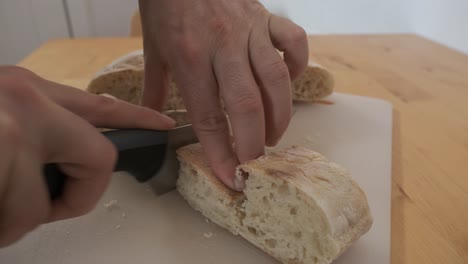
<point>145,154</point>
<point>42,122</point>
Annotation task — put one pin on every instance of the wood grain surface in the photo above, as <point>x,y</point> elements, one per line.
<point>428,87</point>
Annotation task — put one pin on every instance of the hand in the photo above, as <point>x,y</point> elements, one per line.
<point>224,49</point>
<point>43,122</point>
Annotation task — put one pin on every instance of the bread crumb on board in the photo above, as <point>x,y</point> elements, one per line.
<point>117,226</point>
<point>208,235</point>
<point>111,205</point>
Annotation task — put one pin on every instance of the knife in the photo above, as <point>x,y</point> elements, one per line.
<point>148,155</point>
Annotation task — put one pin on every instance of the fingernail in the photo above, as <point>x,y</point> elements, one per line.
<point>169,120</point>
<point>108,95</point>
<point>239,183</point>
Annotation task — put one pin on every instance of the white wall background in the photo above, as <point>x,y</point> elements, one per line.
<point>95,18</point>
<point>444,21</point>
<point>344,16</point>
<point>25,24</point>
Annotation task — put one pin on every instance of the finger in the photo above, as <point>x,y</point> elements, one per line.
<point>243,102</point>
<point>200,93</point>
<point>104,111</point>
<point>292,40</point>
<point>272,76</point>
<point>83,154</point>
<point>156,82</point>
<point>25,204</point>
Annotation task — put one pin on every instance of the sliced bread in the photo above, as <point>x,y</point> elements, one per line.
<point>297,206</point>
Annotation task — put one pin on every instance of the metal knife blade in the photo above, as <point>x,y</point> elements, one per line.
<point>165,179</point>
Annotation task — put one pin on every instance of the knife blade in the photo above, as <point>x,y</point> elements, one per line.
<point>166,177</point>
<point>145,154</point>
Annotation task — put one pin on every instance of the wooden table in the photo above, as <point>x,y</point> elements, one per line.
<point>428,87</point>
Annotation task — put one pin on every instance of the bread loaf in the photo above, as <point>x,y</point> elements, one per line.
<point>124,77</point>
<point>297,206</point>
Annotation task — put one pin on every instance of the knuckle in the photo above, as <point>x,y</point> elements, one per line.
<point>188,48</point>
<point>296,34</point>
<point>20,90</point>
<point>264,50</point>
<point>240,94</point>
<point>278,71</point>
<point>221,25</point>
<point>210,122</point>
<point>234,74</point>
<point>246,102</point>
<point>223,31</point>
<point>103,104</point>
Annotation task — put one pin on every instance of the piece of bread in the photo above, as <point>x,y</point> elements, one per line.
<point>297,206</point>
<point>124,77</point>
<point>313,84</point>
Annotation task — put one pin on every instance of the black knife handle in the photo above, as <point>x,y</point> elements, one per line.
<point>140,152</point>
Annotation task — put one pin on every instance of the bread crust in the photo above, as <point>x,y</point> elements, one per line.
<point>340,206</point>
<point>123,78</point>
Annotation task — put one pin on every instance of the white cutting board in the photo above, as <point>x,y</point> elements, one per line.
<point>142,228</point>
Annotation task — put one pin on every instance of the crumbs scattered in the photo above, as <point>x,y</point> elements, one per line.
<point>124,215</point>
<point>111,205</point>
<point>117,226</point>
<point>208,235</point>
<point>207,220</point>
